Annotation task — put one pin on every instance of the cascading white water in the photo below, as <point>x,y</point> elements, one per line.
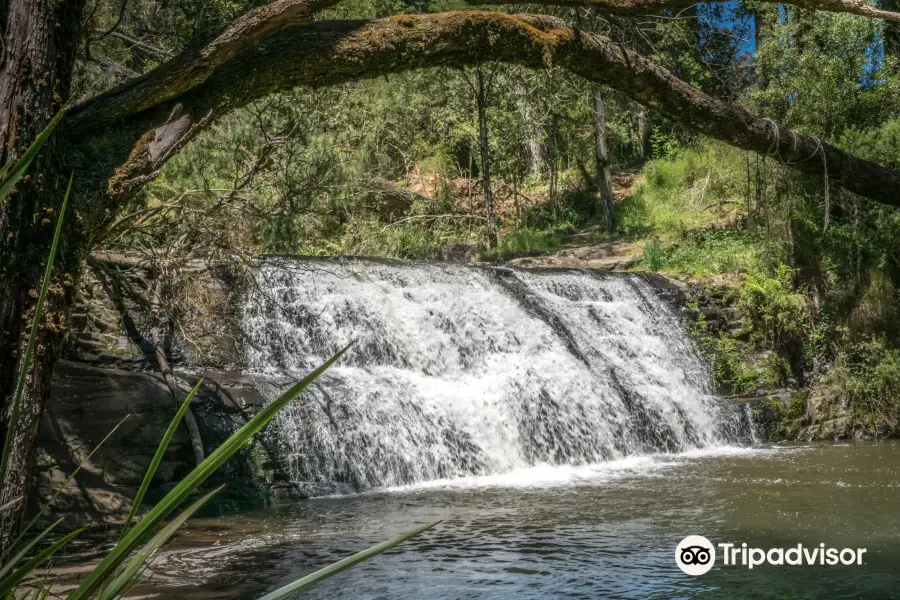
<point>461,370</point>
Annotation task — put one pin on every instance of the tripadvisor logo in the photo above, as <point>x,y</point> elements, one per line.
<point>696,555</point>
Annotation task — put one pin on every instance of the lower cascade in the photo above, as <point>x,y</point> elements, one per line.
<point>465,370</point>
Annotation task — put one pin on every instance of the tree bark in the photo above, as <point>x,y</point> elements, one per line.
<point>195,65</point>
<point>604,177</point>
<point>534,153</point>
<point>39,40</point>
<point>484,146</point>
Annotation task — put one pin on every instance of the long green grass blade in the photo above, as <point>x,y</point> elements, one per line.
<point>25,550</point>
<point>32,337</point>
<point>8,584</point>
<point>157,458</point>
<point>137,563</point>
<point>14,173</point>
<point>65,484</point>
<point>196,477</point>
<point>342,565</point>
<point>10,504</point>
<point>42,590</point>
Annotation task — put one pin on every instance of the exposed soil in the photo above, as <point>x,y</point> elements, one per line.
<point>591,248</point>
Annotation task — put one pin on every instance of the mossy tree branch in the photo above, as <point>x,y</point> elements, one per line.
<point>192,67</point>
<point>332,52</point>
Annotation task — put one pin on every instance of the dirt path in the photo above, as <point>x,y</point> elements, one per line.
<point>591,248</point>
<point>615,255</point>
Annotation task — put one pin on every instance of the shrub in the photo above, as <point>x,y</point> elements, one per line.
<point>739,370</point>
<point>868,372</point>
<point>654,255</point>
<point>683,192</point>
<point>522,242</point>
<point>714,252</point>
<point>777,313</point>
<point>879,144</point>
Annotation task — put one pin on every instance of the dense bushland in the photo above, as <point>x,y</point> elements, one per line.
<point>393,167</point>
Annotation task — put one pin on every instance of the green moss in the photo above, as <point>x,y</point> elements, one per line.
<point>790,419</point>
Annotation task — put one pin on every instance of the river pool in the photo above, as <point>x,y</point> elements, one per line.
<point>601,531</point>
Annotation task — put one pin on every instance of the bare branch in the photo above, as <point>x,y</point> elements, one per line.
<point>111,67</point>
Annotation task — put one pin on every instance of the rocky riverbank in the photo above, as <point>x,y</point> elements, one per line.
<point>105,378</point>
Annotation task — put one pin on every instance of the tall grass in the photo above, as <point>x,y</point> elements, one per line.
<point>683,192</point>
<point>526,242</point>
<point>687,208</point>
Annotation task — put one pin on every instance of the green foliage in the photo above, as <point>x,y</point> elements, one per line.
<point>654,255</point>
<point>526,242</point>
<point>157,458</point>
<point>10,583</point>
<point>825,339</point>
<point>140,559</point>
<point>818,74</point>
<point>739,370</point>
<point>738,367</point>
<point>868,372</point>
<point>106,582</point>
<point>791,418</point>
<point>11,174</point>
<point>778,314</point>
<point>715,252</point>
<point>664,146</point>
<point>880,144</point>
<point>180,492</point>
<point>678,194</point>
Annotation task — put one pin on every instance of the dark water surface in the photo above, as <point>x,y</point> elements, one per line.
<point>607,531</point>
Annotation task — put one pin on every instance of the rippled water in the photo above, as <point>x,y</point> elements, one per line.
<point>603,531</point>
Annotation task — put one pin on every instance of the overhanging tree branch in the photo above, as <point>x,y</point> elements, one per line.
<point>332,52</point>
<point>633,7</point>
<point>192,67</point>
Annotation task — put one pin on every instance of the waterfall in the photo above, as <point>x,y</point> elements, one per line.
<point>465,370</point>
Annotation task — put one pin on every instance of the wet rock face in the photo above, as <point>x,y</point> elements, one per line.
<point>829,417</point>
<point>95,333</point>
<point>106,378</point>
<point>88,402</point>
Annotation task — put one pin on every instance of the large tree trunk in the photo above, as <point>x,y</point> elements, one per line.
<point>604,177</point>
<point>643,129</point>
<point>39,43</point>
<point>481,101</point>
